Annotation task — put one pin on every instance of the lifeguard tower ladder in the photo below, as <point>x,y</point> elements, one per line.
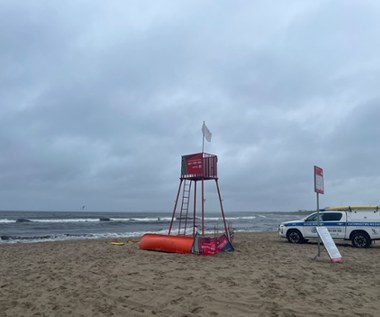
<point>194,168</point>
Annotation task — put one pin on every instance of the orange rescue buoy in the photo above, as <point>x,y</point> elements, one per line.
<point>166,243</point>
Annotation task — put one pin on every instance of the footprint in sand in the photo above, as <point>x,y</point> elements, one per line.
<point>196,310</point>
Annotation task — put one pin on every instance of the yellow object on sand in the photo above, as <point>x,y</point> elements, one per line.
<point>117,243</point>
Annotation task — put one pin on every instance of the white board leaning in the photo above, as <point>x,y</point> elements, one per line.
<point>329,245</point>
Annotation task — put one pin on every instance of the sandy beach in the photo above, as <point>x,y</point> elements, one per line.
<point>265,276</point>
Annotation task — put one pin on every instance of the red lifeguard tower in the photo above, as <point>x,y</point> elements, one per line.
<point>198,167</point>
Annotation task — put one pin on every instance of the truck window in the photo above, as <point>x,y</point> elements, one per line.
<point>313,217</point>
<point>334,216</point>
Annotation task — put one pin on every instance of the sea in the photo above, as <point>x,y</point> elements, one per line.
<point>41,226</point>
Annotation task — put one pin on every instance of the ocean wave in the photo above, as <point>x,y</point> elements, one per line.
<point>241,218</point>
<point>129,219</point>
<point>7,221</point>
<point>73,220</point>
<point>66,220</point>
<point>66,237</point>
<point>148,219</point>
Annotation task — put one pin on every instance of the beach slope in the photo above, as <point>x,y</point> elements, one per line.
<point>265,276</point>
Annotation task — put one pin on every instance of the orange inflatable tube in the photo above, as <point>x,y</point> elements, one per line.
<point>166,243</point>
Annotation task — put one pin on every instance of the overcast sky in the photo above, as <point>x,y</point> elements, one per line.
<point>99,100</point>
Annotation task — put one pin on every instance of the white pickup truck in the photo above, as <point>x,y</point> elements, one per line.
<point>360,224</point>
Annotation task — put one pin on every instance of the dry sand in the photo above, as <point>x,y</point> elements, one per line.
<point>265,276</point>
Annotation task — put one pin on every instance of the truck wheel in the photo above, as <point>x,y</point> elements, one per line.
<point>360,240</point>
<point>294,236</point>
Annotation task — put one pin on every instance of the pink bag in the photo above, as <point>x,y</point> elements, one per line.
<point>209,248</point>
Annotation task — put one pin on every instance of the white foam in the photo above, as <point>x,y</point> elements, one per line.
<point>7,221</point>
<point>65,220</point>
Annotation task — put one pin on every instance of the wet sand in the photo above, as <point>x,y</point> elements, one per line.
<point>265,276</point>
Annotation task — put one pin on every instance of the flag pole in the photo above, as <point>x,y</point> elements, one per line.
<point>203,139</point>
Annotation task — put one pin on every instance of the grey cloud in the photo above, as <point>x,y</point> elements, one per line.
<point>99,101</point>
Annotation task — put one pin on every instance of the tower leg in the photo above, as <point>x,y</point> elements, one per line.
<point>175,205</point>
<point>203,207</point>
<point>195,207</point>
<point>222,211</point>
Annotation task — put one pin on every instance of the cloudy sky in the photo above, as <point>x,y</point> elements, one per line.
<point>99,100</point>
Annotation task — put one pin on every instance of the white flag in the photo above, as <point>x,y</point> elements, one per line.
<point>206,132</point>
